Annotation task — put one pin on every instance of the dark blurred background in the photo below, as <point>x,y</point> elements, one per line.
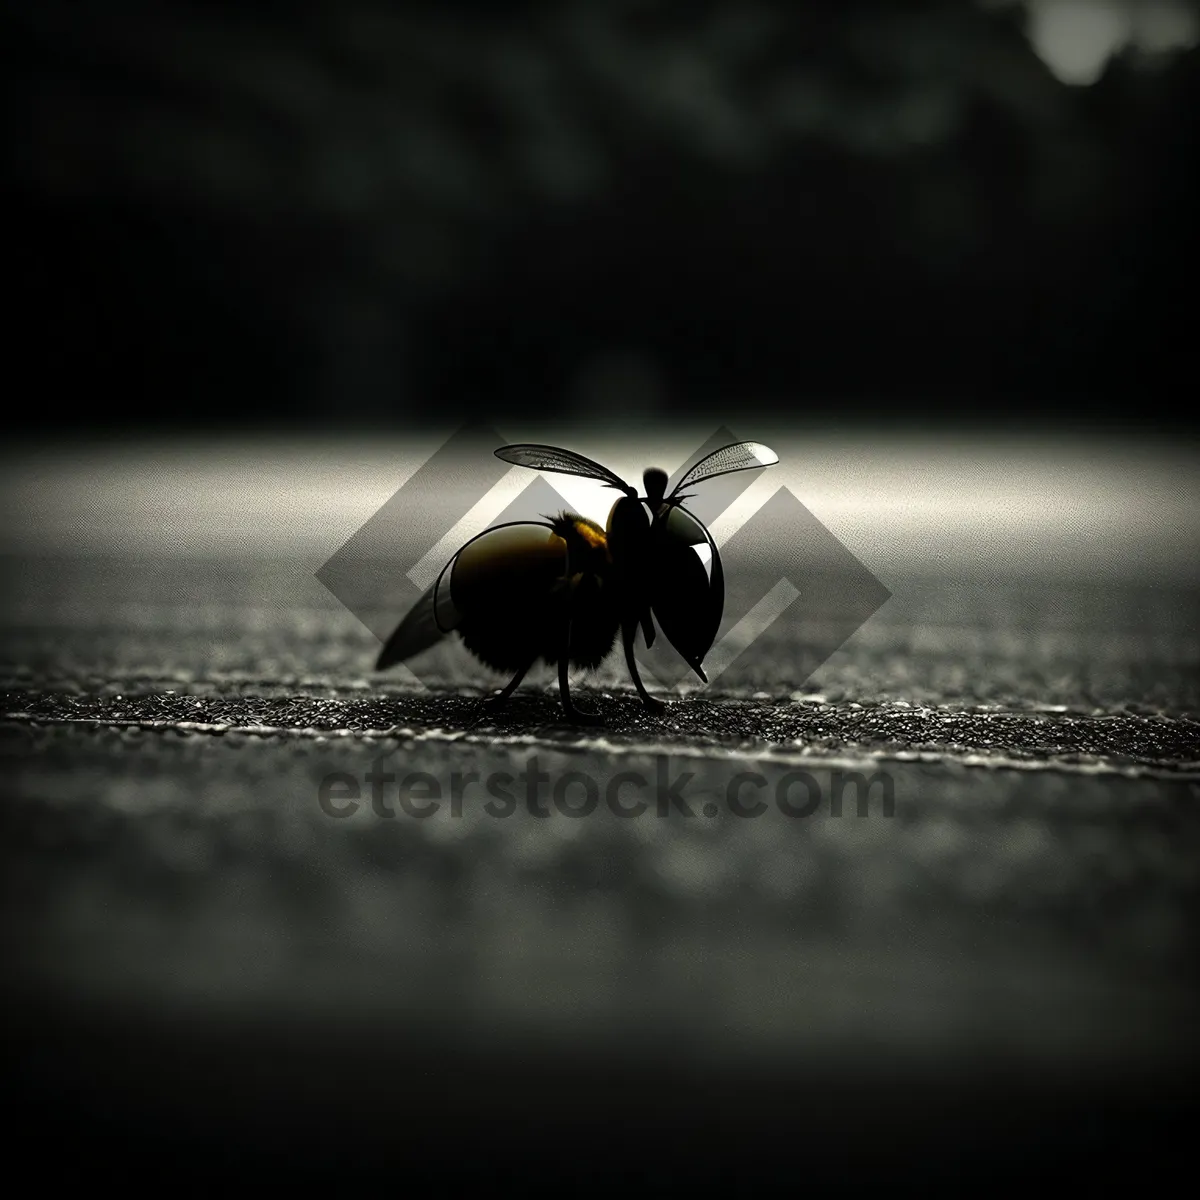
<point>239,213</point>
<point>379,220</point>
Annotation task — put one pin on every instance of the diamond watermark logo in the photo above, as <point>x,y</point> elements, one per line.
<point>785,573</point>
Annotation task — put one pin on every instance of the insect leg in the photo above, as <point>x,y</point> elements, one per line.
<point>628,632</point>
<point>573,713</point>
<point>648,628</point>
<point>489,704</point>
<point>512,685</point>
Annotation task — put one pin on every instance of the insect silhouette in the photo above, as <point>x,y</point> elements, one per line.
<point>561,589</point>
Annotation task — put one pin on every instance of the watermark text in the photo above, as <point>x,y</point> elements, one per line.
<point>387,793</point>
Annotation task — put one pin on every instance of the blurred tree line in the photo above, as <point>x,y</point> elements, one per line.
<point>266,213</point>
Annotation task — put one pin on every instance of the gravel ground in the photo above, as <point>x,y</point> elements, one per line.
<point>989,967</point>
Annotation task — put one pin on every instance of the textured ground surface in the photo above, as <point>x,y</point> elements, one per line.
<point>999,971</point>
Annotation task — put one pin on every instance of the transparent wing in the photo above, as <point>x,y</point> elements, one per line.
<point>741,456</point>
<point>564,462</point>
<point>421,628</point>
<point>435,614</point>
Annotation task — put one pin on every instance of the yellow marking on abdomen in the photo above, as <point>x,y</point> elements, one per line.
<point>590,534</point>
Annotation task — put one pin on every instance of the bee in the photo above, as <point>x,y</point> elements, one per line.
<point>561,590</point>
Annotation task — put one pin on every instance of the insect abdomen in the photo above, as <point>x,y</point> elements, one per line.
<point>516,588</point>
